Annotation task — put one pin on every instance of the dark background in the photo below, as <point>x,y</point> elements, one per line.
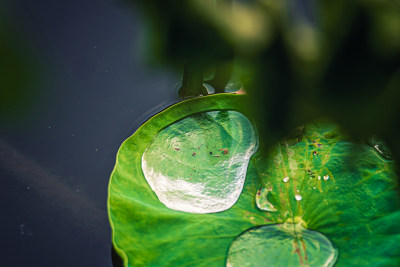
<point>90,90</point>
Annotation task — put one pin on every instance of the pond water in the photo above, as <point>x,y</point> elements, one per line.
<point>57,156</point>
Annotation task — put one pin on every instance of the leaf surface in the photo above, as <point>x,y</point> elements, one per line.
<point>321,181</point>
<point>145,231</point>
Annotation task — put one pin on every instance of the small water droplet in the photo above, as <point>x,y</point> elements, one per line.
<point>319,177</point>
<point>298,190</point>
<point>286,179</point>
<point>262,200</point>
<point>380,146</point>
<point>314,187</point>
<point>326,177</point>
<point>310,177</point>
<point>298,197</point>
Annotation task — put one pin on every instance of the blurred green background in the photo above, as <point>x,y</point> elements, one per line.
<point>298,60</point>
<point>19,77</point>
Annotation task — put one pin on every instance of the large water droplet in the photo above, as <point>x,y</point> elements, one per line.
<point>380,146</point>
<point>199,163</point>
<point>281,245</point>
<point>262,200</point>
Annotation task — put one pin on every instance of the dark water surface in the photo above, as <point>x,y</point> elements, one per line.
<point>56,158</point>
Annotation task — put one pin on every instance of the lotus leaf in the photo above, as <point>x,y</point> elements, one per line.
<point>340,198</point>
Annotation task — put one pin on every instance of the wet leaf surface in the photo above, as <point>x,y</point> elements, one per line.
<point>341,189</point>
<point>323,184</point>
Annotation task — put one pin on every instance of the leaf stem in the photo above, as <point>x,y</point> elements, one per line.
<point>192,82</point>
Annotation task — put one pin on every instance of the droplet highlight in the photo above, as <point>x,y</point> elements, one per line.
<point>286,179</point>
<point>380,146</point>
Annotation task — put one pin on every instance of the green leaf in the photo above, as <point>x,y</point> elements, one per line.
<point>344,190</point>
<point>346,193</point>
<point>145,231</point>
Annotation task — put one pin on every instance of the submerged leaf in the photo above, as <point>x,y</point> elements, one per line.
<point>281,245</point>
